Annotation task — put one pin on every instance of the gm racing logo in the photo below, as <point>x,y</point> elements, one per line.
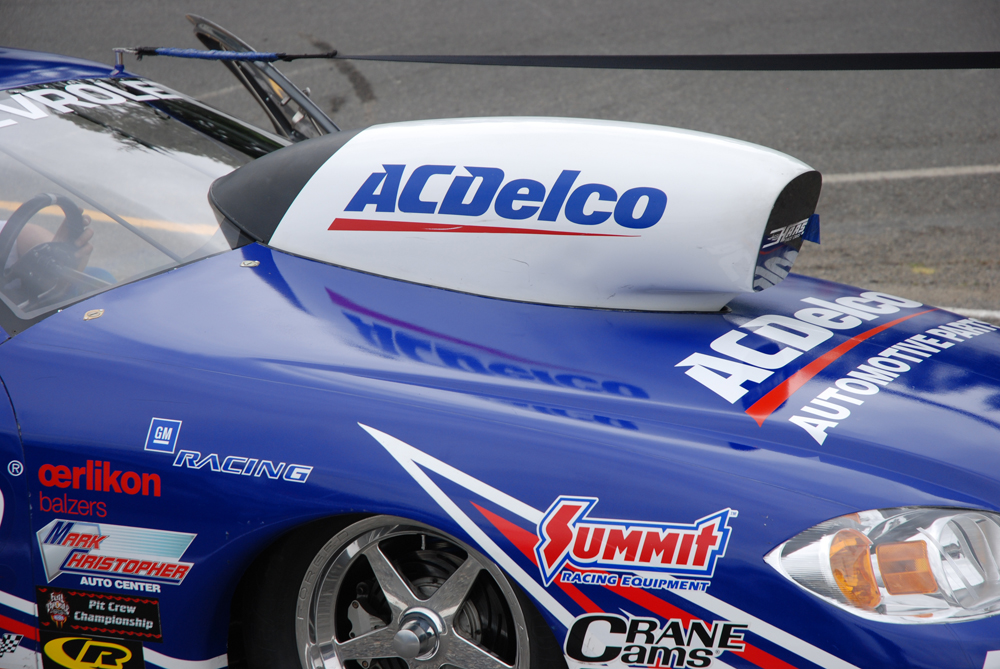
<point>568,537</point>
<point>483,189</point>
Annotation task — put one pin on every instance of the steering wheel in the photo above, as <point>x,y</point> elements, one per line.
<point>49,269</point>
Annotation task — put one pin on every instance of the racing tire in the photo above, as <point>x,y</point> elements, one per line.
<point>388,593</point>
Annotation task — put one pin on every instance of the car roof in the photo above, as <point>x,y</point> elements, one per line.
<point>21,67</point>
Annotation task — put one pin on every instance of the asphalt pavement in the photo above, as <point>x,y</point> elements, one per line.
<point>911,160</point>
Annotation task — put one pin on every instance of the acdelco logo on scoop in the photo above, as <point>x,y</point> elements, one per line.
<point>473,195</point>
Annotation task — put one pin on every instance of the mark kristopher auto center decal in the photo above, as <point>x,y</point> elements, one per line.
<point>80,611</point>
<point>100,549</point>
<point>72,651</point>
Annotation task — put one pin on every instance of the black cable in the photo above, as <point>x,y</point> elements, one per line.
<point>960,60</point>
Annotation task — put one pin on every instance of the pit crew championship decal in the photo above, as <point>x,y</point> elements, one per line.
<point>80,611</point>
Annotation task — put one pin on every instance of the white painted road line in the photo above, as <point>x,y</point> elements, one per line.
<point>928,173</point>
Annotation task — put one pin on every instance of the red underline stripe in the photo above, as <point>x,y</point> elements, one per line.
<point>769,403</point>
<point>365,225</point>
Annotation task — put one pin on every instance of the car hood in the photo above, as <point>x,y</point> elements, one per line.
<point>660,386</point>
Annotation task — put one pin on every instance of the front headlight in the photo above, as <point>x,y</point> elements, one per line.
<point>904,565</point>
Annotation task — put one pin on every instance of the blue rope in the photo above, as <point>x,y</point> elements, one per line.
<point>200,54</point>
<point>210,55</point>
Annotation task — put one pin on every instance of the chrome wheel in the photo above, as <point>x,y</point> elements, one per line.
<point>389,593</point>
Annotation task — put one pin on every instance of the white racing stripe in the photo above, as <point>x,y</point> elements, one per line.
<point>22,605</point>
<point>161,660</point>
<point>926,173</point>
<point>409,457</point>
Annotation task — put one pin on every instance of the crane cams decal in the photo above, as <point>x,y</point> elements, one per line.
<point>608,638</point>
<point>571,542</point>
<point>93,549</point>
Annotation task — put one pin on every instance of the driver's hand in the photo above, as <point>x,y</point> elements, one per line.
<point>82,242</point>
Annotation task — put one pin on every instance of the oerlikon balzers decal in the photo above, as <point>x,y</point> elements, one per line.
<point>568,536</point>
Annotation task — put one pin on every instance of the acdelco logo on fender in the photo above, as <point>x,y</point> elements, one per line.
<point>568,537</point>
<point>515,199</point>
<point>810,327</point>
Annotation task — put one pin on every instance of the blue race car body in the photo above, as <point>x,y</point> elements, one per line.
<point>642,478</point>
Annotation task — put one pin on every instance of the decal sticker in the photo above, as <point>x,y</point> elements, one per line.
<point>417,464</point>
<point>162,435</point>
<point>9,642</point>
<point>517,199</point>
<point>120,584</point>
<point>809,328</point>
<point>79,611</point>
<point>567,536</point>
<point>99,476</point>
<point>607,638</point>
<point>56,608</point>
<point>93,549</point>
<point>834,404</point>
<point>234,464</point>
<point>70,506</point>
<point>87,652</point>
<point>162,438</point>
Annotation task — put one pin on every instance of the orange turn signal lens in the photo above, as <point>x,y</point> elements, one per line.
<point>905,568</point>
<point>852,569</point>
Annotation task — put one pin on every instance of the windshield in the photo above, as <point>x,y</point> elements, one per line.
<point>106,181</point>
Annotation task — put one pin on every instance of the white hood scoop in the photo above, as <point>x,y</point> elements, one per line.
<point>554,211</point>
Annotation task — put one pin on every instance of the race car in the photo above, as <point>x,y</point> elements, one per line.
<point>487,393</point>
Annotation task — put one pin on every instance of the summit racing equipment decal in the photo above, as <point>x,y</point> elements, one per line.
<point>567,536</point>
<point>516,199</point>
<point>94,549</point>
